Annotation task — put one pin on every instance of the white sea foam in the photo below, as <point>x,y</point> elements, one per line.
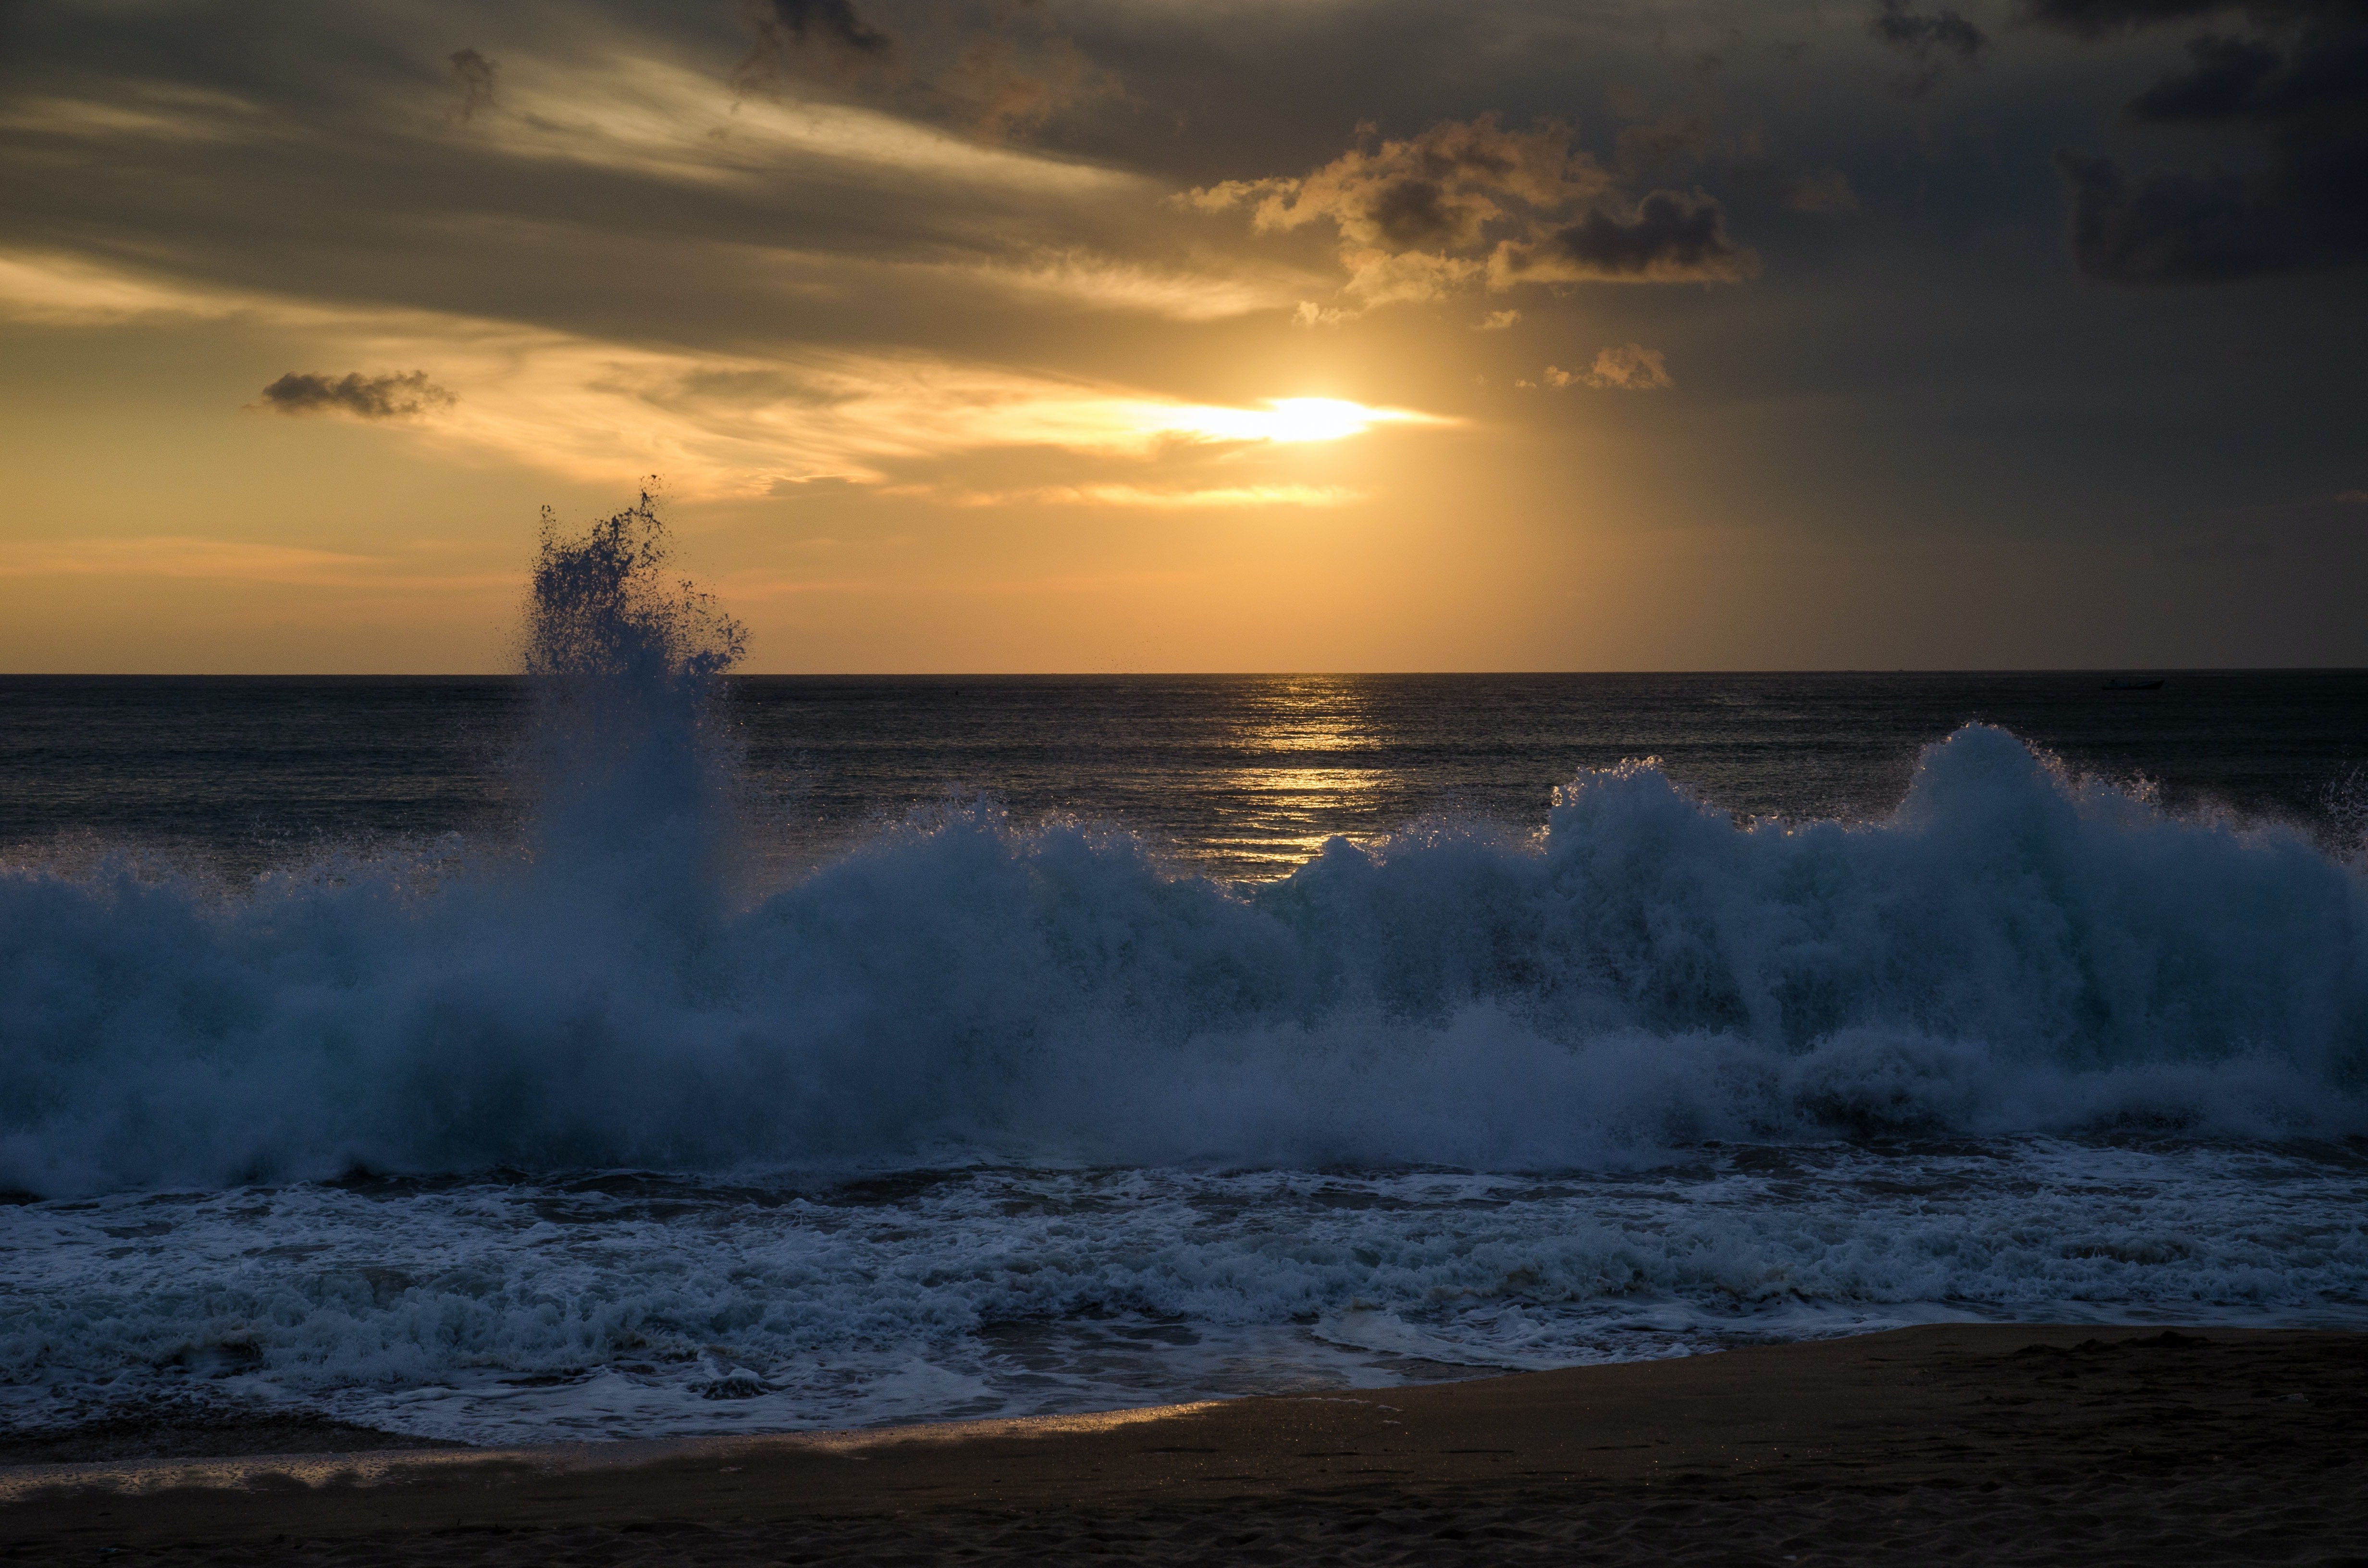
<point>512,1310</point>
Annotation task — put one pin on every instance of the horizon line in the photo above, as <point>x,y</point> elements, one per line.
<point>2164,670</point>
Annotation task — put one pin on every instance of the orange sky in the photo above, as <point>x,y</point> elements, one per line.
<point>1076,336</point>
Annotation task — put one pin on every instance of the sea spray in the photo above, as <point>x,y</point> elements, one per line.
<point>627,756</point>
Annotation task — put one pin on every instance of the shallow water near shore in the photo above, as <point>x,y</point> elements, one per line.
<point>617,1306</point>
<point>524,1310</point>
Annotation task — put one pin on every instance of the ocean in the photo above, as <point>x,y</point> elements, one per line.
<point>638,1050</point>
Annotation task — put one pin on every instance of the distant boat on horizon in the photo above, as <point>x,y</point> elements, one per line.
<point>2120,684</point>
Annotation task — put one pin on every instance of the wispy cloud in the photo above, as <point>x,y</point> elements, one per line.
<point>714,424</point>
<point>135,109</point>
<point>182,555</point>
<point>1086,281</point>
<point>1149,497</point>
<point>65,291</point>
<point>663,122</point>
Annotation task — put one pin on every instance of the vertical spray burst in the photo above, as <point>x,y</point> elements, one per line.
<point>627,663</point>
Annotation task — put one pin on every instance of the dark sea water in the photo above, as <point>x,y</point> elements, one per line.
<point>815,1052</point>
<point>1237,776</point>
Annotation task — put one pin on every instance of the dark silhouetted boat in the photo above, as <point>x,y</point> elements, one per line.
<point>2119,685</point>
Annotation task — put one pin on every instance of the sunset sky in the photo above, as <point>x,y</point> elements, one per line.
<point>1139,335</point>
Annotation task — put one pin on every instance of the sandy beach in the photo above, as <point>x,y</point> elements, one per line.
<point>1974,1444</point>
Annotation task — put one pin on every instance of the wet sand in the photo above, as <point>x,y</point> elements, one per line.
<point>1947,1444</point>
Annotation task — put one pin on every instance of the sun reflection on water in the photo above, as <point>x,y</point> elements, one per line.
<point>1308,754</point>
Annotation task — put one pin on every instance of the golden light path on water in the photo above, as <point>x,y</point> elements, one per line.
<point>1305,737</point>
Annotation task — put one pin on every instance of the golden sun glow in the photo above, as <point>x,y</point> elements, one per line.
<point>1287,419</point>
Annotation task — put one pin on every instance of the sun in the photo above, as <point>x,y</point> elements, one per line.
<point>1284,419</point>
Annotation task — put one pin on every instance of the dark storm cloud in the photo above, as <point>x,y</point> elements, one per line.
<point>1670,238</point>
<point>2302,85</point>
<point>364,397</point>
<point>1931,43</point>
<point>475,75</point>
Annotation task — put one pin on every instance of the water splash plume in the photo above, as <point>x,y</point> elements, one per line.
<point>627,665</point>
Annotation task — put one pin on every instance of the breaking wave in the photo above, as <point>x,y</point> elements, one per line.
<point>2010,949</point>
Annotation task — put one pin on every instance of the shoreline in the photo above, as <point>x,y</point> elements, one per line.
<point>2202,1425</point>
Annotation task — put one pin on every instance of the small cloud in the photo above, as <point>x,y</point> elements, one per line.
<point>1497,321</point>
<point>2352,498</point>
<point>364,397</point>
<point>1824,190</point>
<point>1310,314</point>
<point>1632,368</point>
<point>1931,43</point>
<point>475,74</point>
<point>1411,216</point>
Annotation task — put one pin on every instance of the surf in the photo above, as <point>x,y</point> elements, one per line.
<point>2010,949</point>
